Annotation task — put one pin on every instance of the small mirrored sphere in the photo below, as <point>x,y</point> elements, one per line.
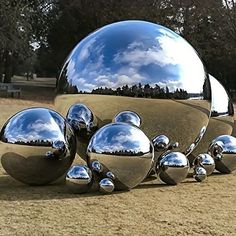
<point>124,150</point>
<point>173,168</point>
<point>106,185</point>
<point>160,143</point>
<point>221,120</point>
<point>199,174</point>
<point>96,166</point>
<point>143,67</point>
<point>37,146</point>
<point>223,150</point>
<point>84,124</point>
<point>128,117</point>
<point>206,161</point>
<point>79,179</point>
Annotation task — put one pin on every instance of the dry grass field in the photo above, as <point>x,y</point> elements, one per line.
<point>153,208</point>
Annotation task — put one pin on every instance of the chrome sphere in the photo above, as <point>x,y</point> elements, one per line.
<point>124,150</point>
<point>223,150</point>
<point>37,146</point>
<point>106,185</point>
<point>143,67</point>
<point>161,143</point>
<point>206,161</point>
<point>173,168</point>
<point>221,120</point>
<point>199,174</point>
<point>79,179</point>
<point>84,124</point>
<point>128,117</point>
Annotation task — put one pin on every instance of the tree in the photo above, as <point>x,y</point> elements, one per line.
<point>20,27</point>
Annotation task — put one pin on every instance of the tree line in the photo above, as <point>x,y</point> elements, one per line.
<point>37,35</point>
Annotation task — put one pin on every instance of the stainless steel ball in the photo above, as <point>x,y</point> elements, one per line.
<point>199,174</point>
<point>84,124</point>
<point>79,179</point>
<point>37,146</point>
<point>223,150</point>
<point>128,117</point>
<point>124,150</point>
<point>160,143</point>
<point>106,185</point>
<point>173,168</point>
<point>206,161</point>
<point>143,67</point>
<point>221,120</point>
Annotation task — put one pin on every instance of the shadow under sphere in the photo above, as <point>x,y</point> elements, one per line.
<point>142,67</point>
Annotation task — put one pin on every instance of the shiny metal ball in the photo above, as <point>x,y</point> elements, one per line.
<point>161,143</point>
<point>79,179</point>
<point>206,161</point>
<point>124,150</point>
<point>84,124</point>
<point>81,119</point>
<point>223,150</point>
<point>128,117</point>
<point>143,67</point>
<point>37,146</point>
<point>199,174</point>
<point>173,168</point>
<point>106,185</point>
<point>221,120</point>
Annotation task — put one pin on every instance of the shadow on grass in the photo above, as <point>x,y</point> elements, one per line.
<point>12,190</point>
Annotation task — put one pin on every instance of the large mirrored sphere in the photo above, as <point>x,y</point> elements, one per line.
<point>37,146</point>
<point>124,150</point>
<point>142,67</point>
<point>223,150</point>
<point>221,120</point>
<point>173,168</point>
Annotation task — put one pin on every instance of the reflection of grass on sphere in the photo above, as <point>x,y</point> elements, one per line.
<point>180,120</point>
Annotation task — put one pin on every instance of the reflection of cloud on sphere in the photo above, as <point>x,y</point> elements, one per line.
<point>133,52</point>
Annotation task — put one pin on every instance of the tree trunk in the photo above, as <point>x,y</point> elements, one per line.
<point>8,67</point>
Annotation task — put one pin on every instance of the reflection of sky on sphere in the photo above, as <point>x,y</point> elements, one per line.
<point>78,172</point>
<point>80,113</point>
<point>119,137</point>
<point>133,52</point>
<point>35,125</point>
<point>174,159</point>
<point>220,98</point>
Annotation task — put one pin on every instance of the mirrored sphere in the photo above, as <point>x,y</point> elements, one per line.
<point>106,185</point>
<point>84,124</point>
<point>79,179</point>
<point>124,150</point>
<point>160,143</point>
<point>221,120</point>
<point>128,117</point>
<point>199,174</point>
<point>223,150</point>
<point>37,146</point>
<point>143,67</point>
<point>173,168</point>
<point>206,161</point>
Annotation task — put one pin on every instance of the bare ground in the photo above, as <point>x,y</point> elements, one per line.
<point>153,208</point>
